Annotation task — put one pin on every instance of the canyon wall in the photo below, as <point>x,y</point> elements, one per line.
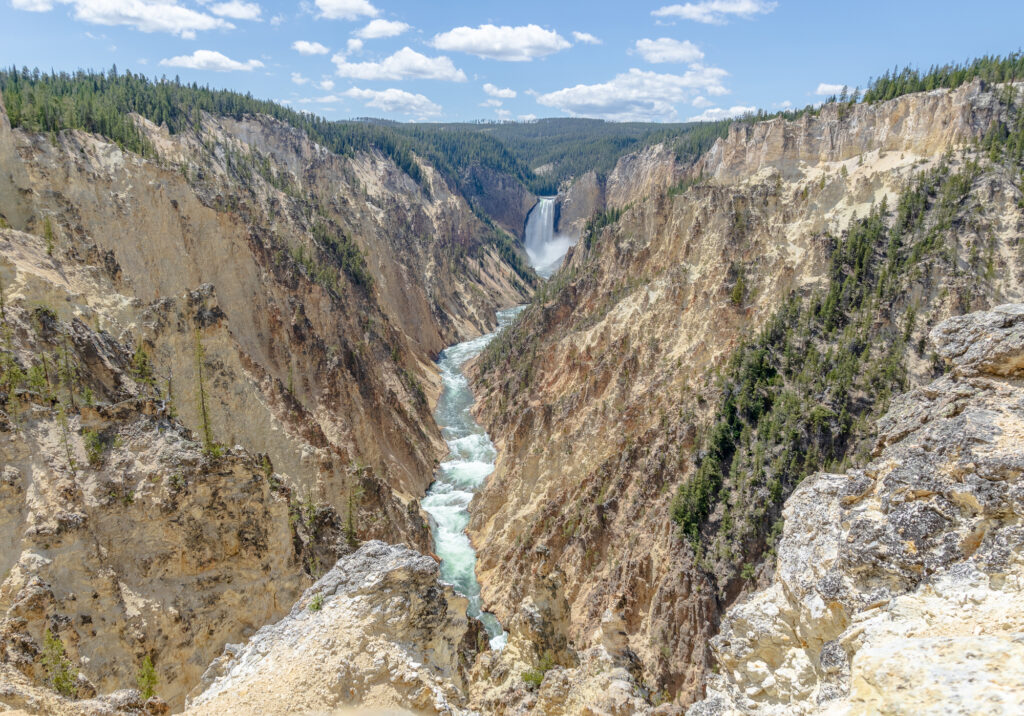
<point>218,376</point>
<point>603,397</point>
<point>899,585</point>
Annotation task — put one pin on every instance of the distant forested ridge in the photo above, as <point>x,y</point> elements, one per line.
<point>570,147</point>
<point>541,154</point>
<point>100,102</point>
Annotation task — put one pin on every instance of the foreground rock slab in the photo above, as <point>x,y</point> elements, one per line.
<point>899,588</point>
<point>377,631</point>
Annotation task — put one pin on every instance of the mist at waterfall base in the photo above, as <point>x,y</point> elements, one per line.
<point>469,463</point>
<point>544,247</point>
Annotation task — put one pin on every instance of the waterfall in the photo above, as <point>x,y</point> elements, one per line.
<point>545,248</point>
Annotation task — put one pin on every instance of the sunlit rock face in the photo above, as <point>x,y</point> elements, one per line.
<point>377,631</point>
<point>210,257</point>
<point>899,586</point>
<point>604,395</point>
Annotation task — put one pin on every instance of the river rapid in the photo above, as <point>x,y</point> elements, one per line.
<point>469,463</point>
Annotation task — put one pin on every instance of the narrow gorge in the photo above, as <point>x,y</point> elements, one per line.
<point>542,417</point>
<point>468,464</point>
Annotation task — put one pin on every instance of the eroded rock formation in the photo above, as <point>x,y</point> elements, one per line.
<point>899,586</point>
<point>601,398</point>
<point>217,375</point>
<point>376,631</point>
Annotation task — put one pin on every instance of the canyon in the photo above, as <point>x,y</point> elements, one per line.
<point>755,439</point>
<point>602,396</point>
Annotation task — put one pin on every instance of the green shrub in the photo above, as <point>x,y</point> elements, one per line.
<point>535,677</point>
<point>147,679</point>
<point>48,235</point>
<point>94,447</point>
<point>62,675</point>
<point>142,368</point>
<point>317,602</point>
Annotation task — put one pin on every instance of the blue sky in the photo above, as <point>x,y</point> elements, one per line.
<point>464,60</point>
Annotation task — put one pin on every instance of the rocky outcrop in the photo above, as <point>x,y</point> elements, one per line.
<point>377,631</point>
<point>20,696</point>
<point>581,200</point>
<point>899,586</point>
<point>925,124</point>
<point>502,197</point>
<point>539,673</point>
<point>600,398</point>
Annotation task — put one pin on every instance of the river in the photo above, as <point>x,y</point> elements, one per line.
<point>468,464</point>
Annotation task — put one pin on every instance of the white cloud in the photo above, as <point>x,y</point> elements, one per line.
<point>237,10</point>
<point>665,49</point>
<point>700,101</point>
<point>784,104</point>
<point>396,100</point>
<point>277,20</point>
<point>210,60</point>
<point>637,95</point>
<point>33,5</point>
<point>491,103</point>
<point>309,48</point>
<point>716,12</point>
<point>328,99</point>
<point>825,89</point>
<point>144,15</point>
<point>716,113</point>
<point>346,9</point>
<point>353,46</point>
<point>325,84</point>
<point>298,79</point>
<point>404,64</point>
<point>511,44</point>
<point>586,38</point>
<point>527,118</point>
<point>382,28</point>
<point>503,113</point>
<point>495,91</point>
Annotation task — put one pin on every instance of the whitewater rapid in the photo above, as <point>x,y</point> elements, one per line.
<point>469,462</point>
<point>544,247</point>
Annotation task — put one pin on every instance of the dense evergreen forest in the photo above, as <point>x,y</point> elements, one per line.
<point>101,102</point>
<point>560,148</point>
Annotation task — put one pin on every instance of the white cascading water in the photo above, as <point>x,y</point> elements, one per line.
<point>469,463</point>
<point>545,248</point>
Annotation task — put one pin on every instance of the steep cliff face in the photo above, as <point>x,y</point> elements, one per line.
<point>502,197</point>
<point>246,289</point>
<point>319,359</point>
<point>121,536</point>
<point>603,397</point>
<point>899,586</point>
<point>925,124</point>
<point>578,202</point>
<point>644,174</point>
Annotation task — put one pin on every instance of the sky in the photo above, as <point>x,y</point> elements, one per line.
<point>464,60</point>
